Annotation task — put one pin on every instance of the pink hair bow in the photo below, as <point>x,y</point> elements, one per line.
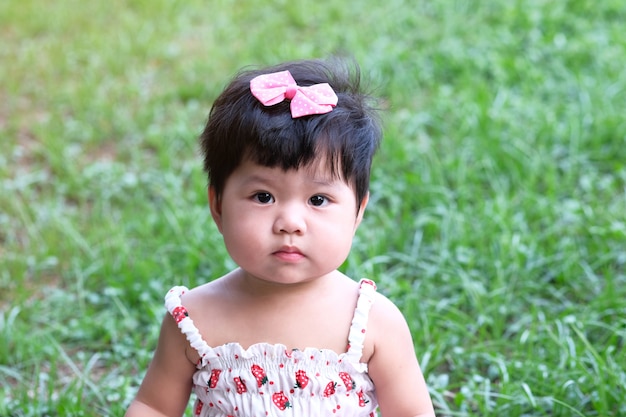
<point>273,88</point>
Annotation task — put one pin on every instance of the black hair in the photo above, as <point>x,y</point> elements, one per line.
<point>240,126</point>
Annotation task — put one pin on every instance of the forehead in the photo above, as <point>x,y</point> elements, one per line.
<point>319,170</point>
<point>321,166</point>
<point>324,167</point>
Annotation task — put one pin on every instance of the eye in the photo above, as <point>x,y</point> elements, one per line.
<point>263,198</point>
<point>318,200</point>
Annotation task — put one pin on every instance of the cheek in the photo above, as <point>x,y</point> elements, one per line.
<point>240,231</point>
<point>341,234</point>
<point>237,230</point>
<point>241,245</point>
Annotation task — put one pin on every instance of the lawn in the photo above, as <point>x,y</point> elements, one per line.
<point>497,221</point>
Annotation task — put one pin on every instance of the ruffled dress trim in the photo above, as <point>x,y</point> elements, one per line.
<point>356,335</point>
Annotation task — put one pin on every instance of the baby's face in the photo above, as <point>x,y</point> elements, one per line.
<point>287,226</point>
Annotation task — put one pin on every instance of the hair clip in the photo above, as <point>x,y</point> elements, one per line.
<point>274,88</point>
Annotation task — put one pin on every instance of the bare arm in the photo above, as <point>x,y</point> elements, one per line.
<point>166,387</point>
<point>400,385</point>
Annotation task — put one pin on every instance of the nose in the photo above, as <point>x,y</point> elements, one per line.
<point>290,219</point>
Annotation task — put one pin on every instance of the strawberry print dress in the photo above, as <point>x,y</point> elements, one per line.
<point>269,380</point>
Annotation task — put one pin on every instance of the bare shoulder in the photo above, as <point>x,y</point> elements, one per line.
<point>207,305</point>
<point>393,365</point>
<point>388,329</point>
<point>385,313</point>
<point>204,296</point>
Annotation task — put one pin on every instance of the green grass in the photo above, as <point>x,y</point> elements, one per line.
<point>497,220</point>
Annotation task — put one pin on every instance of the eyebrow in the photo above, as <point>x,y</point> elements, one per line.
<point>321,181</point>
<point>258,178</point>
<point>324,182</point>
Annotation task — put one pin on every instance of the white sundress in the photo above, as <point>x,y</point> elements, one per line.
<point>269,380</point>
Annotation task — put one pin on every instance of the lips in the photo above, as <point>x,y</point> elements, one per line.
<point>289,254</point>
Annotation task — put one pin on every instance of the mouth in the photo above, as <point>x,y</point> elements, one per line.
<point>289,254</point>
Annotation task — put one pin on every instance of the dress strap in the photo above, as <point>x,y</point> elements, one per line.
<point>358,328</point>
<point>175,307</point>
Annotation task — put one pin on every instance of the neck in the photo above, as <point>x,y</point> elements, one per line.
<point>245,283</point>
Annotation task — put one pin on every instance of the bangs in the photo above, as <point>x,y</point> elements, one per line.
<point>292,153</point>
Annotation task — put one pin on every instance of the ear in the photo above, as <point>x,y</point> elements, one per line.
<point>216,208</point>
<point>362,206</point>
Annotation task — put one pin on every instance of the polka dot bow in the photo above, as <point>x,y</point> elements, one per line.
<point>273,88</point>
